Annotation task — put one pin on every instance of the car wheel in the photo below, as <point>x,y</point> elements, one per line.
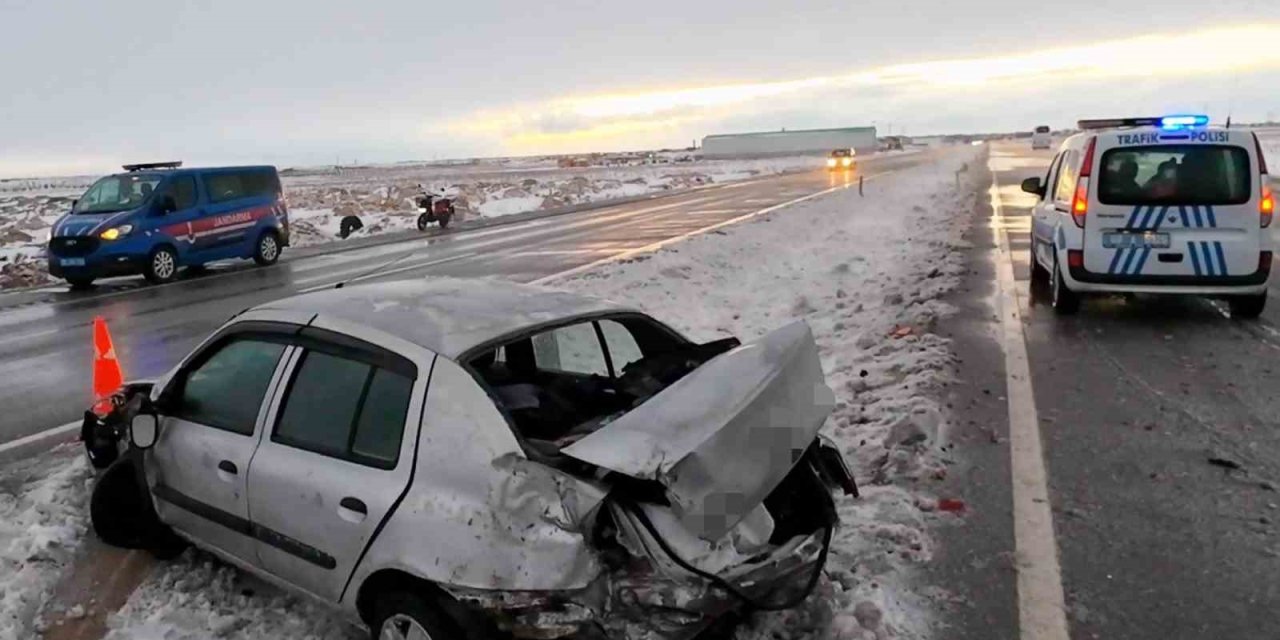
<point>1247,307</point>
<point>162,266</point>
<point>1065,301</point>
<point>349,225</point>
<point>267,251</point>
<point>405,615</point>
<point>1038,272</point>
<point>121,516</point>
<point>80,283</point>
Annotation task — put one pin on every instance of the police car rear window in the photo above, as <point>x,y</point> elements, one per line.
<point>1175,174</point>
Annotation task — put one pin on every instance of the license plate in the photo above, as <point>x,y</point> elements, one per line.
<point>72,262</point>
<point>1139,240</point>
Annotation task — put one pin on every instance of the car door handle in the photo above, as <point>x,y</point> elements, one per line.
<point>353,504</point>
<point>228,466</point>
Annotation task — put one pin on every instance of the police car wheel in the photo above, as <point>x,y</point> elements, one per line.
<point>1247,307</point>
<point>162,266</point>
<point>267,250</point>
<point>1065,301</point>
<point>1038,272</point>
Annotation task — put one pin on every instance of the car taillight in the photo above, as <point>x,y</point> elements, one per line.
<point>1080,202</point>
<point>1075,259</point>
<point>1266,206</point>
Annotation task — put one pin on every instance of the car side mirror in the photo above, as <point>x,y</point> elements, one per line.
<point>1032,185</point>
<point>167,205</point>
<point>143,430</point>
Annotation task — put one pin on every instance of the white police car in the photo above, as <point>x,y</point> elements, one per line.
<point>1155,205</point>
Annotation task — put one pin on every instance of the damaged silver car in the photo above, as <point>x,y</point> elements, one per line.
<point>453,458</point>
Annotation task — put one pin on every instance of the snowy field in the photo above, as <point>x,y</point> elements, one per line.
<point>867,273</point>
<point>384,196</point>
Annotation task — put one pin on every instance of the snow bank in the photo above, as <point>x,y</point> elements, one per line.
<point>861,271</point>
<point>1270,139</point>
<point>44,513</point>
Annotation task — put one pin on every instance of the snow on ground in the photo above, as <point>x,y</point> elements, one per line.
<point>44,514</point>
<point>859,271</point>
<point>865,272</point>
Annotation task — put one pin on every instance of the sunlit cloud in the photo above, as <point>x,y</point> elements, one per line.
<point>574,122</point>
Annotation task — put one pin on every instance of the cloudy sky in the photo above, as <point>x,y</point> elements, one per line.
<point>90,85</point>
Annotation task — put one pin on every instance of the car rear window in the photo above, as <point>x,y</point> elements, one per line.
<point>1175,174</point>
<point>1042,129</point>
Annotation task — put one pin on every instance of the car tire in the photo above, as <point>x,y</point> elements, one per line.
<point>399,613</point>
<point>1065,301</point>
<point>348,226</point>
<point>1247,307</point>
<point>121,516</point>
<point>80,283</point>
<point>162,266</point>
<point>266,251</point>
<point>1039,274</point>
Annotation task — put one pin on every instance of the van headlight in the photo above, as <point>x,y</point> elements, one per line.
<point>848,161</point>
<point>831,162</point>
<point>116,232</point>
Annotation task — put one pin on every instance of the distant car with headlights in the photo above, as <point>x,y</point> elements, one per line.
<point>157,218</point>
<point>842,159</point>
<point>451,458</point>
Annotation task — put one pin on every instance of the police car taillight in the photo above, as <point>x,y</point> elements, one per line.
<point>1267,201</point>
<point>1080,202</point>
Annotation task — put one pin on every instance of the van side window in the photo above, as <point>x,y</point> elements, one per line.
<point>1068,173</point>
<point>183,190</point>
<point>1049,175</point>
<point>244,183</point>
<point>345,409</point>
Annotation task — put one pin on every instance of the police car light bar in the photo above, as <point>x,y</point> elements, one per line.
<point>152,165</point>
<point>1164,122</point>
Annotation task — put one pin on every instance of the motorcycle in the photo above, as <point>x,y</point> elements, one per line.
<point>434,208</point>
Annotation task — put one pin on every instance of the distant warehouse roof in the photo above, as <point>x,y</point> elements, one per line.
<point>789,141</point>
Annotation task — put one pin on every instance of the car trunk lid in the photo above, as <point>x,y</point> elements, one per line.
<point>721,438</point>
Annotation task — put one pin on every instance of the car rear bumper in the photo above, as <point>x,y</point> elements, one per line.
<point>1084,280</point>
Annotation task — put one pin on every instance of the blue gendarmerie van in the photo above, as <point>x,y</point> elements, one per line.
<point>158,217</point>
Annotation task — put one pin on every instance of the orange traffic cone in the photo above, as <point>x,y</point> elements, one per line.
<point>107,376</point>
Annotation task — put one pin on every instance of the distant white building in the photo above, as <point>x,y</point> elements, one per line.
<point>783,142</point>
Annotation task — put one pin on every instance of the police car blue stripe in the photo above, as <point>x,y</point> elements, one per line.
<point>1142,261</point>
<point>1182,211</point>
<point>1128,260</point>
<point>1213,220</point>
<point>1196,212</point>
<point>1160,219</point>
<point>1133,217</point>
<point>1210,266</point>
<point>1115,260</point>
<point>1222,259</point>
<point>1195,257</point>
<point>1146,218</point>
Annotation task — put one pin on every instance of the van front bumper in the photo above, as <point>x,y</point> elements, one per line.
<point>96,266</point>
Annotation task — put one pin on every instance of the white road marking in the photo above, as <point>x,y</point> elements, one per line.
<point>29,336</point>
<point>56,432</point>
<point>374,272</point>
<point>1041,604</point>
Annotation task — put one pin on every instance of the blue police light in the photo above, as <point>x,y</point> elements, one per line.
<point>1173,123</point>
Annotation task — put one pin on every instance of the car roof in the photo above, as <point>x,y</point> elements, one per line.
<point>190,170</point>
<point>448,316</point>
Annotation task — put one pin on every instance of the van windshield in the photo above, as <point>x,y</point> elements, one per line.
<point>117,193</point>
<point>1042,129</point>
<point>1175,174</point>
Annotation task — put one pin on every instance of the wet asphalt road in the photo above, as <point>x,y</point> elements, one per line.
<point>1135,396</point>
<point>45,352</point>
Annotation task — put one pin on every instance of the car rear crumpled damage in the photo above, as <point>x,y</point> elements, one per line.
<point>713,495</point>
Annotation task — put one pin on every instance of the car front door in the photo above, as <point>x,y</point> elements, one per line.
<point>212,413</point>
<point>337,459</point>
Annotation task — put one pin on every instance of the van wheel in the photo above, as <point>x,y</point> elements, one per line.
<point>80,283</point>
<point>348,226</point>
<point>267,251</point>
<point>405,615</point>
<point>1038,273</point>
<point>1247,307</point>
<point>1065,301</point>
<point>162,266</point>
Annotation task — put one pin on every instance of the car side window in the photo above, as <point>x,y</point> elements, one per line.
<point>183,191</point>
<point>622,346</point>
<point>1049,175</point>
<point>223,186</point>
<point>571,349</point>
<point>1067,176</point>
<point>225,391</point>
<point>345,409</point>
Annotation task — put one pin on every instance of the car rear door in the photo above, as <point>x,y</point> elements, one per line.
<point>337,458</point>
<point>213,411</point>
<point>1175,207</point>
